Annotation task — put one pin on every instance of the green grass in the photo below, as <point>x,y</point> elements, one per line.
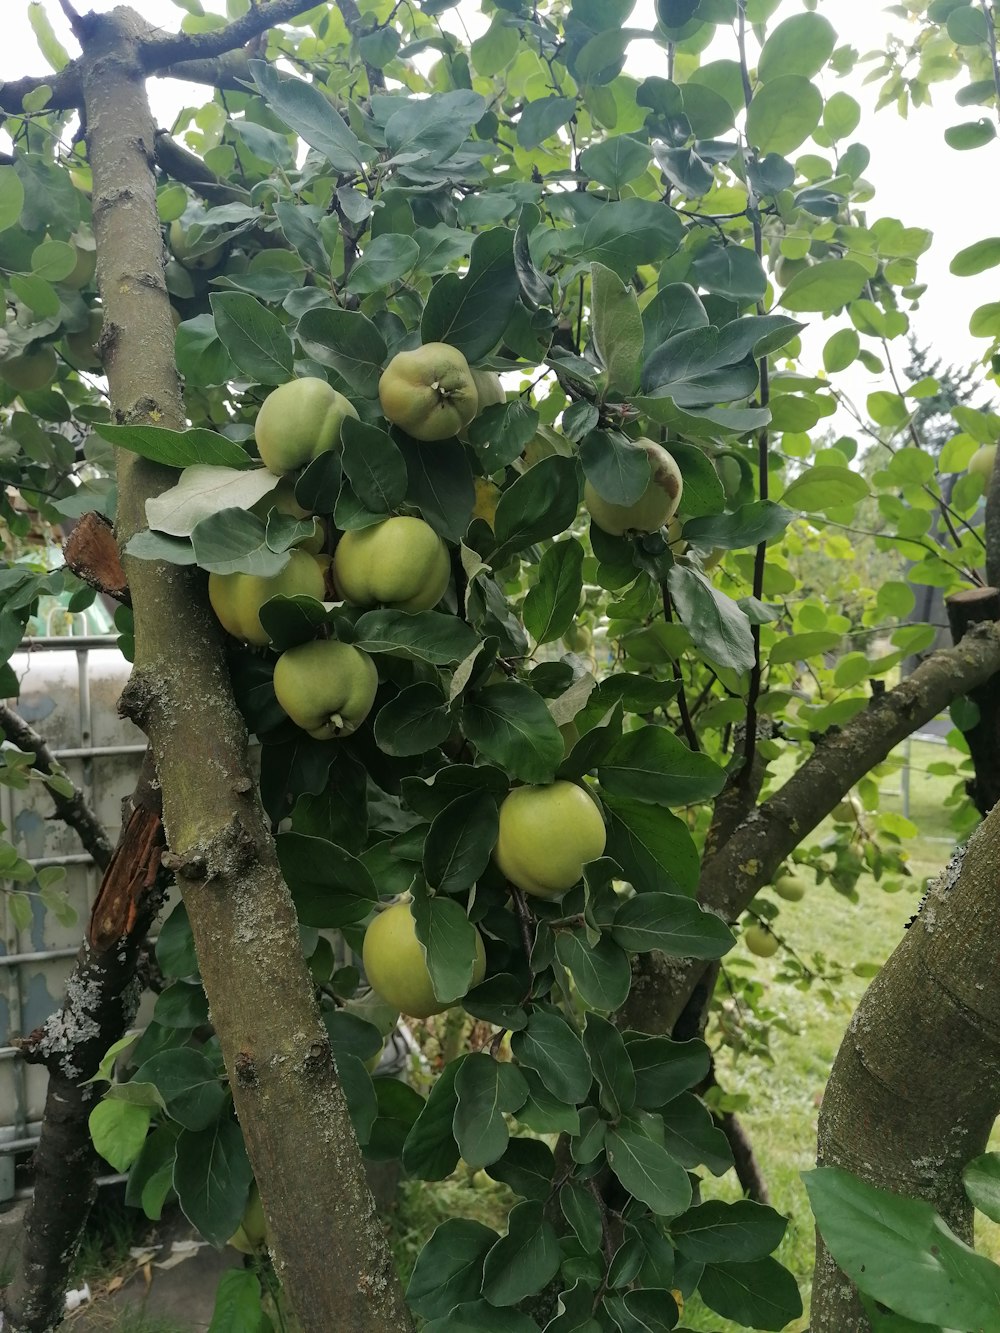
<point>784,1094</point>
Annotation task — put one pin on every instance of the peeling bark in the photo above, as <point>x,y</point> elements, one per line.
<point>915,1090</point>
<point>748,860</point>
<point>100,1004</point>
<point>329,1249</point>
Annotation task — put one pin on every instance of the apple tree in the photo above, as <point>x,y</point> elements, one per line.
<point>460,449</point>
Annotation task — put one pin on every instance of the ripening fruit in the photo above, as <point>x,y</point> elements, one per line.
<point>326,687</point>
<point>83,270</point>
<point>761,941</point>
<point>547,835</point>
<point>656,506</point>
<point>237,598</point>
<point>251,1234</point>
<point>32,370</point>
<point>848,811</point>
<point>578,639</point>
<point>81,347</point>
<point>400,562</point>
<point>982,461</point>
<point>185,254</point>
<point>429,392</point>
<point>396,966</point>
<point>488,388</point>
<point>298,421</point>
<point>790,887</point>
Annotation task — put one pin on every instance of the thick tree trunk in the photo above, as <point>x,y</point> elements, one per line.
<point>330,1251</point>
<point>102,996</point>
<point>748,859</point>
<point>915,1088</point>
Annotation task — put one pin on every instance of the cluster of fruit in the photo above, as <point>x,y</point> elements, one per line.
<point>547,835</point>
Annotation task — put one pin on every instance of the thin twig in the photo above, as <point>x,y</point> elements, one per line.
<point>682,704</point>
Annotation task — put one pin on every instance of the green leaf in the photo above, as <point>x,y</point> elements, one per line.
<point>349,342</point>
<point>481,1317</point>
<point>524,1260</point>
<point>53,260</point>
<point>672,924</point>
<point>692,1136</point>
<point>422,636</point>
<point>449,941</point>
<point>675,308</point>
<point>176,448</point>
<point>801,44</point>
<point>540,119</point>
<point>439,482</point>
<point>416,721</point>
<point>189,1085</point>
<point>664,1068</point>
<point>648,1171</point>
<point>583,1213</point>
<point>374,466</point>
<point>841,350</point>
<point>212,1178</point>
<point>472,312</point>
<point>731,270</point>
<point>981,1178</point>
<point>616,469</point>
<point>967,26</point>
<point>623,235</point>
<point>612,1068</point>
<point>182,1005</point>
<point>755,1295</point>
<point>550,606</point>
<point>527,1167</point>
<point>118,1130</point>
<point>305,110</point>
<point>717,1232</point>
<point>11,197</point>
<point>253,336</point>
<point>841,116</point>
<point>330,887</point>
<point>487,1089</point>
<point>238,1305</point>
<point>541,503</point>
<point>747,526</point>
<point>800,647</point>
<point>718,627</point>
<point>651,764</point>
<point>825,286</point>
<point>600,971</point>
<point>820,489</point>
<point>386,259</point>
<point>783,113</point>
<point>900,1252</point>
<point>232,541</point>
<point>970,134</point>
<point>616,328</point>
<point>976,258</point>
<point>654,848</point>
<point>511,724</point>
<point>615,161</point>
<point>427,131</point>
<point>430,1151</point>
<point>549,1046</point>
<point>449,1268</point>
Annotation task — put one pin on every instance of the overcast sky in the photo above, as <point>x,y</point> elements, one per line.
<point>918,178</point>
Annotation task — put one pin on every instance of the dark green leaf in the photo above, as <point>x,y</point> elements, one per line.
<point>414,722</point>
<point>423,636</point>
<point>449,1268</point>
<point>487,1089</point>
<point>430,1151</point>
<point>527,1167</point>
<point>439,482</point>
<point>651,764</point>
<point>349,342</point>
<point>756,1295</point>
<point>649,1172</point>
<point>189,1085</point>
<point>540,119</point>
<point>552,601</point>
<point>253,336</point>
<point>654,848</point>
<point>600,971</point>
<point>611,1065</point>
<point>511,725</point>
<point>541,503</point>
<point>746,526</point>
<point>616,469</point>
<point>671,924</point>
<point>305,110</point>
<point>472,312</point>
<point>550,1046</point>
<point>449,940</point>
<point>524,1260</point>
<point>459,842</point>
<point>374,466</point>
<point>717,1232</point>
<point>212,1178</point>
<point>329,886</point>
<point>693,1137</point>
<point>176,448</point>
<point>664,1068</point>
<point>719,628</point>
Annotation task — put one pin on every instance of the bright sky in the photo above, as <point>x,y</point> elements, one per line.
<point>918,178</point>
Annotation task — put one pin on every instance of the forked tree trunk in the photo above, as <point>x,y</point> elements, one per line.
<point>330,1251</point>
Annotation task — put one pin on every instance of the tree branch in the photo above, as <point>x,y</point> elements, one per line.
<point>749,858</point>
<point>72,810</point>
<point>180,165</point>
<point>157,53</point>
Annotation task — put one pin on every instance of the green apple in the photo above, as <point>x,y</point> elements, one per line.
<point>81,347</point>
<point>237,598</point>
<point>326,687</point>
<point>429,392</point>
<point>298,421</point>
<point>396,965</point>
<point>982,462</point>
<point>761,941</point>
<point>400,562</point>
<point>185,253</point>
<point>250,1237</point>
<point>32,370</point>
<point>657,504</point>
<point>488,387</point>
<point>547,835</point>
<point>83,270</point>
<point>790,887</point>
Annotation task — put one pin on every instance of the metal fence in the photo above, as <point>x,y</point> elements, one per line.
<point>69,693</point>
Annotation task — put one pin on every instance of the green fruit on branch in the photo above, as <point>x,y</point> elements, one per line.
<point>237,598</point>
<point>578,639</point>
<point>982,462</point>
<point>283,499</point>
<point>326,687</point>
<point>34,369</point>
<point>761,941</point>
<point>848,811</point>
<point>430,392</point>
<point>790,887</point>
<point>83,270</point>
<point>655,506</point>
<point>396,966</point>
<point>188,254</point>
<point>401,562</point>
<point>250,1236</point>
<point>488,387</point>
<point>81,347</point>
<point>298,421</point>
<point>547,835</point>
